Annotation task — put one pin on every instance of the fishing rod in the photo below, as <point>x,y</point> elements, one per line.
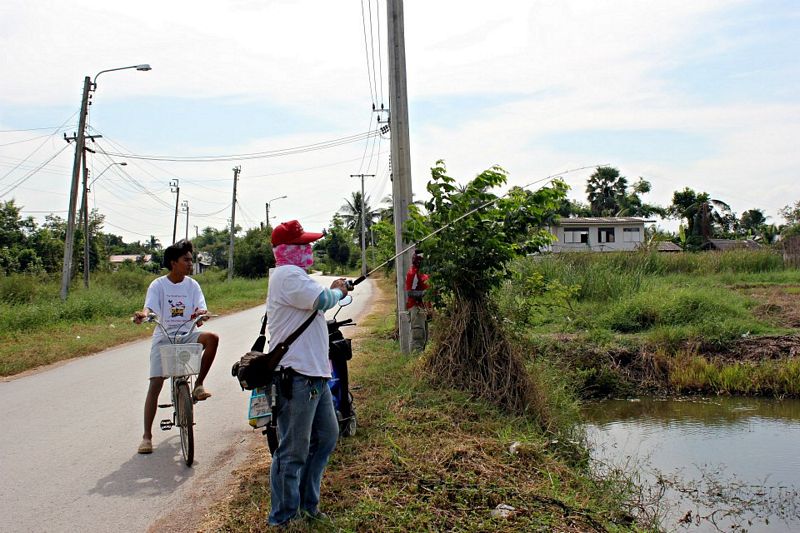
<point>352,283</point>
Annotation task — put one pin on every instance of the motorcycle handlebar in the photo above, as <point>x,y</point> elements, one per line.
<point>351,284</point>
<point>340,323</point>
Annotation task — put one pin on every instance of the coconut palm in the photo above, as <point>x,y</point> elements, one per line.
<point>351,213</point>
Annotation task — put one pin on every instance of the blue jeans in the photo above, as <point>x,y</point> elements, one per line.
<point>307,433</point>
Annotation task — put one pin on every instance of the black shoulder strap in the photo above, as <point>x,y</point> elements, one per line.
<point>299,331</point>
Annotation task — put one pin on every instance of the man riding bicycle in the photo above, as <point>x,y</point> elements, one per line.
<point>176,299</point>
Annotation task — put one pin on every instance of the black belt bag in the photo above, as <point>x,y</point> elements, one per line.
<point>255,368</point>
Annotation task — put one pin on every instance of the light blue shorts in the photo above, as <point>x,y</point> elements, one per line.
<point>155,350</point>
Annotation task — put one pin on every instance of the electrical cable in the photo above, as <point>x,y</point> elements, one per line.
<point>56,130</point>
<point>37,129</point>
<point>30,174</point>
<point>27,140</point>
<point>372,95</point>
<point>380,54</point>
<point>247,156</point>
<point>372,46</point>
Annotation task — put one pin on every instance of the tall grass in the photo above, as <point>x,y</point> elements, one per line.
<point>31,302</point>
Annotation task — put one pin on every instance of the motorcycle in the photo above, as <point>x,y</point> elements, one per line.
<point>263,400</point>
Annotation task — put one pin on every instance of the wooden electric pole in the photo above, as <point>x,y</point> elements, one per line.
<point>174,186</point>
<point>363,222</point>
<point>69,240</point>
<point>400,158</point>
<point>236,171</point>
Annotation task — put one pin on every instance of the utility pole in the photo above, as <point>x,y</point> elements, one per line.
<point>69,241</point>
<point>400,157</point>
<point>236,171</point>
<point>185,208</point>
<point>174,186</point>
<point>85,221</point>
<point>363,222</point>
<point>197,231</point>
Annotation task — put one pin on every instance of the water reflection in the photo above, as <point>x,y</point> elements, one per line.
<point>722,444</point>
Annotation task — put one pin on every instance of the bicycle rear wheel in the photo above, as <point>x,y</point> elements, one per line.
<point>184,410</point>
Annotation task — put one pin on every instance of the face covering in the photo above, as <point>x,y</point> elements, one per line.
<point>299,255</point>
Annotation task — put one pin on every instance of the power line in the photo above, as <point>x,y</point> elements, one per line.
<point>36,129</point>
<point>56,130</point>
<point>380,55</point>
<point>32,172</point>
<point>372,93</point>
<point>28,140</point>
<point>372,46</point>
<point>252,155</point>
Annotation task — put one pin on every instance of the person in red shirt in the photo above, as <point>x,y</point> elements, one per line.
<point>416,285</point>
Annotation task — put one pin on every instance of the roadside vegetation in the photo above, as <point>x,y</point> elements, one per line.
<point>37,328</point>
<point>722,322</point>
<point>428,457</point>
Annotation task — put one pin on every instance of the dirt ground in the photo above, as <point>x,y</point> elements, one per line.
<point>780,304</point>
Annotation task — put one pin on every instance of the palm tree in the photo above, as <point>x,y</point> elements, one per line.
<point>351,213</point>
<point>605,191</point>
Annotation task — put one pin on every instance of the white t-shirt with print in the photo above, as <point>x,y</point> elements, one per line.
<point>290,301</point>
<point>174,303</point>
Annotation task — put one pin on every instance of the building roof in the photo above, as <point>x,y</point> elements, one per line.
<point>730,244</point>
<point>667,246</point>
<point>602,220</point>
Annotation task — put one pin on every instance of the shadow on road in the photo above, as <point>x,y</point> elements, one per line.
<point>161,472</point>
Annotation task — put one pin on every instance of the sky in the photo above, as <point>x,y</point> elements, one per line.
<point>684,93</point>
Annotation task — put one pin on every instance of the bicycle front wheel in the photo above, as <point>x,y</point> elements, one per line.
<point>184,410</point>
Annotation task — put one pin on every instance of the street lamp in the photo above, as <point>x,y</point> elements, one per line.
<point>121,163</point>
<point>80,145</point>
<point>267,206</point>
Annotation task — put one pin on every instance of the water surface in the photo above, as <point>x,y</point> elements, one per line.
<point>730,464</point>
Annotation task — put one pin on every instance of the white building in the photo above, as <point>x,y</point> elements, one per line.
<point>598,234</point>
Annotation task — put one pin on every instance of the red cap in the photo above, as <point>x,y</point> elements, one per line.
<point>292,233</point>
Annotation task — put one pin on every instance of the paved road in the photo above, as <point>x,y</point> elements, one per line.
<point>68,458</point>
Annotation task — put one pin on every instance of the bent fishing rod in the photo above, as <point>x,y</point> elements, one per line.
<point>352,283</point>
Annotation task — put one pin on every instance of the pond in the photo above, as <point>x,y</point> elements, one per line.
<point>718,464</point>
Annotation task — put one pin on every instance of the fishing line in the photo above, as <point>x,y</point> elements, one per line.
<point>428,236</point>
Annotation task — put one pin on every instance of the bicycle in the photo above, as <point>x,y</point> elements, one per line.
<point>180,362</point>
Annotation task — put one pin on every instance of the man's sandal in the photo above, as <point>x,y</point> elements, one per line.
<point>200,394</point>
<point>146,446</point>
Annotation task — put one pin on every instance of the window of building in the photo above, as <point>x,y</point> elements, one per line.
<point>605,235</point>
<point>576,235</point>
<point>631,235</point>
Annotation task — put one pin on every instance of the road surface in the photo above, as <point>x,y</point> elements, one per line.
<point>68,458</point>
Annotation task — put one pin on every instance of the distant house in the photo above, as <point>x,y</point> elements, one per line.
<point>117,260</point>
<point>730,244</point>
<point>202,261</point>
<point>598,234</point>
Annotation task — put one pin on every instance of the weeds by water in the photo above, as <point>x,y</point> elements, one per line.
<point>684,322</point>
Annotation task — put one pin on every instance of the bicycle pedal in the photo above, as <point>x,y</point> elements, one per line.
<point>163,405</point>
<point>166,425</point>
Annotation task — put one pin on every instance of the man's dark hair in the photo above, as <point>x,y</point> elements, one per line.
<point>176,251</point>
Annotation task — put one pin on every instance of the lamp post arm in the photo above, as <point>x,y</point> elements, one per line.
<point>142,67</point>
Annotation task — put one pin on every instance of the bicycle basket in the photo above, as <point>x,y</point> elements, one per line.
<point>181,359</point>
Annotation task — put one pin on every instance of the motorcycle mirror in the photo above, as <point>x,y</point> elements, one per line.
<point>347,300</point>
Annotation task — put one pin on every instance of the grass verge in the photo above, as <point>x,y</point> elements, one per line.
<point>37,329</point>
<point>430,459</point>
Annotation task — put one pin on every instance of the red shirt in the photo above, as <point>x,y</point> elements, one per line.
<point>415,281</point>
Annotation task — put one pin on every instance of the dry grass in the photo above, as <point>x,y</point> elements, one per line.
<point>430,459</point>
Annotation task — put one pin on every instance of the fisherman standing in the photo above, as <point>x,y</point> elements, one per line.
<point>416,285</point>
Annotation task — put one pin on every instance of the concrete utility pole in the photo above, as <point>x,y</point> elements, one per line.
<point>174,186</point>
<point>185,209</point>
<point>363,222</point>
<point>400,158</point>
<point>69,241</point>
<point>85,222</point>
<point>236,171</point>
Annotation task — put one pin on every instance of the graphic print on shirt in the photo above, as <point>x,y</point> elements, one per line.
<point>177,307</point>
